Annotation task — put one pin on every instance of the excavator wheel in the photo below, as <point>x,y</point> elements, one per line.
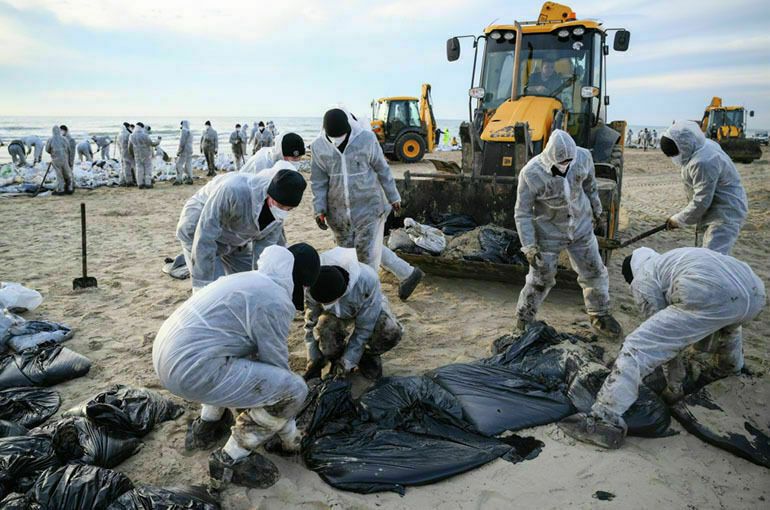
<point>410,148</point>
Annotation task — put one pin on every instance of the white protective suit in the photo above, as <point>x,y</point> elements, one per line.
<point>685,295</point>
<point>263,138</point>
<point>18,152</point>
<point>141,146</point>
<point>355,190</point>
<point>103,144</point>
<point>127,176</point>
<point>554,213</point>
<point>59,149</point>
<point>209,148</point>
<point>236,144</point>
<point>184,154</point>
<point>226,347</point>
<point>375,327</point>
<point>718,204</point>
<point>72,148</point>
<point>219,226</point>
<point>84,151</point>
<point>253,133</point>
<point>36,143</point>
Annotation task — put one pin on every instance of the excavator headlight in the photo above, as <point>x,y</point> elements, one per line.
<point>563,33</point>
<point>495,36</point>
<point>579,31</point>
<point>508,36</point>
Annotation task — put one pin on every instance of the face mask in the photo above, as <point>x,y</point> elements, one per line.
<point>337,140</point>
<point>261,129</point>
<point>278,213</point>
<point>329,306</point>
<point>677,160</point>
<point>562,167</point>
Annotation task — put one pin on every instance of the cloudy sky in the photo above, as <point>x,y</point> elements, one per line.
<point>296,57</point>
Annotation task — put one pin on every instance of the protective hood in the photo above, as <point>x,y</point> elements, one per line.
<point>687,136</point>
<point>560,146</point>
<point>276,154</point>
<point>640,258</point>
<point>345,258</point>
<point>185,124</point>
<point>56,132</point>
<point>277,263</point>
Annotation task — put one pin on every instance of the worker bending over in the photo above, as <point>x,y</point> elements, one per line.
<point>556,206</point>
<point>685,295</point>
<point>347,291</point>
<point>226,347</point>
<point>354,192</point>
<point>718,204</point>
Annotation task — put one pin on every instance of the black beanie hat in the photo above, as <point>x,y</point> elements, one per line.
<point>261,124</point>
<point>287,187</point>
<point>207,123</point>
<point>668,146</point>
<point>292,145</point>
<point>331,284</point>
<point>307,264</point>
<point>336,122</point>
<point>628,274</point>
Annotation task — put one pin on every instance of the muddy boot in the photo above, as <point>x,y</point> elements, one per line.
<point>202,435</point>
<point>522,326</point>
<point>313,369</point>
<point>592,429</point>
<point>406,287</point>
<point>606,325</point>
<point>370,366</point>
<point>176,183</point>
<point>188,180</point>
<point>211,174</point>
<point>254,471</point>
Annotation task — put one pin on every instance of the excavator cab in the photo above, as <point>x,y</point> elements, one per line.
<point>405,126</point>
<point>727,126</point>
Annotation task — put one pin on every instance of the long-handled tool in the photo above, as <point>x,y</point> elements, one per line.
<point>614,244</point>
<point>85,281</point>
<point>42,183</point>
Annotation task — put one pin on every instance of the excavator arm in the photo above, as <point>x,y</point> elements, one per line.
<point>426,116</point>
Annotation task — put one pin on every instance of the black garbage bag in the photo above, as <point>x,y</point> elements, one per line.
<point>452,224</point>
<point>730,414</point>
<point>18,501</point>
<point>9,429</point>
<point>28,407</point>
<point>22,459</point>
<point>45,365</point>
<point>76,487</point>
<point>133,411</point>
<point>405,431</point>
<point>80,441</point>
<point>147,497</point>
<point>498,245</point>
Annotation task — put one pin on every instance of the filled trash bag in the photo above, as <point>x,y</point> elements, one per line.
<point>488,243</point>
<point>731,414</point>
<point>147,497</point>
<point>428,238</point>
<point>28,407</point>
<point>453,224</point>
<point>44,365</point>
<point>17,298</point>
<point>76,487</point>
<point>133,411</point>
<point>33,333</point>
<point>10,429</point>
<point>22,459</point>
<point>78,440</point>
<point>176,267</point>
<point>18,501</point>
<point>405,431</point>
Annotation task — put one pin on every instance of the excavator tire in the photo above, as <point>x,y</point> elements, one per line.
<point>410,148</point>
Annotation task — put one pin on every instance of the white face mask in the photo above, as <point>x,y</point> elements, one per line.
<point>337,140</point>
<point>677,159</point>
<point>261,129</point>
<point>329,306</point>
<point>278,213</point>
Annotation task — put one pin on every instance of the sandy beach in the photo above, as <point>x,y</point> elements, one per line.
<point>130,231</point>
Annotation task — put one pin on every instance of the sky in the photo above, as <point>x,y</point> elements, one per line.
<point>300,57</point>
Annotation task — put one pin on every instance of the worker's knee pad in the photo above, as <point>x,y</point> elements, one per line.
<point>331,334</point>
<point>387,334</point>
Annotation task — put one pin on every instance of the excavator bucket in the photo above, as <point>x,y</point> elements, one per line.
<point>741,150</point>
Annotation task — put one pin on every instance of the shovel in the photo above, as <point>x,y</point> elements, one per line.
<point>42,183</point>
<point>86,281</point>
<point>614,244</point>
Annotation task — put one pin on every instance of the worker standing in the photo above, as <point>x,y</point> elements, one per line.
<point>71,143</point>
<point>556,206</point>
<point>127,177</point>
<point>685,295</point>
<point>209,147</point>
<point>184,155</point>
<point>236,144</point>
<point>346,292</point>
<point>263,138</point>
<point>717,201</point>
<point>354,192</point>
<point>59,149</point>
<point>141,146</point>
<point>227,348</point>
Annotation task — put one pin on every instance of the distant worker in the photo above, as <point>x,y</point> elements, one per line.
<point>227,348</point>
<point>84,151</point>
<point>546,82</point>
<point>718,205</point>
<point>18,152</point>
<point>236,144</point>
<point>455,143</point>
<point>446,138</point>
<point>244,139</point>
<point>184,155</point>
<point>289,147</point>
<point>253,135</point>
<point>34,142</point>
<point>127,177</point>
<point>103,145</point>
<point>71,143</point>
<point>654,138</point>
<point>354,192</point>
<point>685,295</point>
<point>556,206</point>
<point>59,149</point>
<point>630,137</point>
<point>225,226</point>
<point>347,292</point>
<point>141,146</point>
<point>209,148</point>
<point>263,138</point>
<point>273,130</point>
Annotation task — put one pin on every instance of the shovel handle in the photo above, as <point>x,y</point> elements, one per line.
<point>643,235</point>
<point>83,238</point>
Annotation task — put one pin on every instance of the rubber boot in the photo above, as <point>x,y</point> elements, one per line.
<point>370,366</point>
<point>592,429</point>
<point>606,325</point>
<point>253,471</point>
<point>202,435</point>
<point>406,287</point>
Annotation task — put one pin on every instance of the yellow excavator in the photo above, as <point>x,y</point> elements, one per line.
<point>535,76</point>
<point>405,126</point>
<point>727,126</point>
